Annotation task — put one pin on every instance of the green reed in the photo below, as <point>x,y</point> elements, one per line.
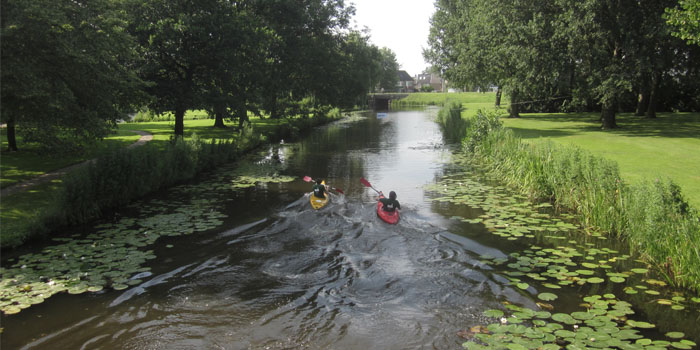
<point>653,217</point>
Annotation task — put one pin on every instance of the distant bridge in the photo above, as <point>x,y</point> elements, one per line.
<point>382,101</point>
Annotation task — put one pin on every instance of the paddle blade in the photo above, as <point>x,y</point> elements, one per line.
<point>338,190</point>
<point>308,178</point>
<point>365,182</point>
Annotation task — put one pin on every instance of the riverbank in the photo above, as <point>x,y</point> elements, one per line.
<point>665,147</point>
<point>33,214</point>
<point>651,215</point>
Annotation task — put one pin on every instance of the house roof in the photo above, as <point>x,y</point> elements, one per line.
<point>403,76</point>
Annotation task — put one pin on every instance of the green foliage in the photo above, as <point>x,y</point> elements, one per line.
<point>124,175</point>
<point>67,75</point>
<point>591,187</point>
<point>389,72</point>
<point>451,123</point>
<point>147,115</point>
<point>427,88</point>
<point>685,20</point>
<point>569,55</point>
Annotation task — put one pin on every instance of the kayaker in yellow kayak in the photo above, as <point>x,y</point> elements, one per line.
<point>319,189</point>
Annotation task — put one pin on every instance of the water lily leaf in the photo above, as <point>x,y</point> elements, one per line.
<point>679,345</point>
<point>523,285</point>
<point>564,318</point>
<point>643,341</point>
<point>640,324</point>
<point>675,335</point>
<point>563,333</point>
<point>639,271</point>
<point>617,279</point>
<point>595,280</point>
<point>547,296</point>
<point>678,307</point>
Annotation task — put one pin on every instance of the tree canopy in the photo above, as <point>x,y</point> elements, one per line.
<point>71,70</point>
<point>565,55</point>
<point>67,70</point>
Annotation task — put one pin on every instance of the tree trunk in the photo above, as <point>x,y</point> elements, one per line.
<point>607,115</point>
<point>219,115</point>
<point>11,136</point>
<point>514,105</point>
<point>642,103</point>
<point>653,97</point>
<point>498,97</point>
<point>179,121</point>
<point>242,115</point>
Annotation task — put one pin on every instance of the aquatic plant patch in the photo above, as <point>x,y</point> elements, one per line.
<point>557,257</point>
<point>605,323</point>
<point>116,255</point>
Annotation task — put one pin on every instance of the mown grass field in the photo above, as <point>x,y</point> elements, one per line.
<point>668,146</point>
<point>471,101</point>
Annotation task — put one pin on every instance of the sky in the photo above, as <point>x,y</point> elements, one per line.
<point>401,25</point>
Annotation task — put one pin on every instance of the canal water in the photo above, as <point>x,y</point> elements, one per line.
<point>273,273</point>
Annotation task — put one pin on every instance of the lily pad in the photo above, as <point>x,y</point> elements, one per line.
<point>547,296</point>
<point>675,335</point>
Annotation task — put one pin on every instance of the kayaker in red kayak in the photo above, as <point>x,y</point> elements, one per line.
<point>390,204</point>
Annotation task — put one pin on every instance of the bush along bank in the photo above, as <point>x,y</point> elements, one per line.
<point>652,216</point>
<point>125,175</point>
<point>451,123</point>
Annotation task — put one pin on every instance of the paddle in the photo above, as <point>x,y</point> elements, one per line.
<point>309,179</point>
<point>367,184</point>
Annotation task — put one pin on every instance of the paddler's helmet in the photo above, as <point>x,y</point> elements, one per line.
<point>392,195</point>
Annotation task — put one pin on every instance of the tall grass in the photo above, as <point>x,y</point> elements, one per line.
<point>653,217</point>
<point>126,174</point>
<point>453,127</point>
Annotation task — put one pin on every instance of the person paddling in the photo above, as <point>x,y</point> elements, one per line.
<point>390,204</point>
<point>319,189</point>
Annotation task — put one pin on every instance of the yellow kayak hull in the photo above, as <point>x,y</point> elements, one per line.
<point>318,203</point>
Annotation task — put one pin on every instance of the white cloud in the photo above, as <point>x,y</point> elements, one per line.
<point>402,26</point>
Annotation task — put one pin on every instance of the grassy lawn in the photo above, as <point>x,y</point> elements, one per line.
<point>668,146</point>
<point>28,162</point>
<point>471,101</point>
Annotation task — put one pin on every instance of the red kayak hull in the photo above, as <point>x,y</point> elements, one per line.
<point>391,217</point>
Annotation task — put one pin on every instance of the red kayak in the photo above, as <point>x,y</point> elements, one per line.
<point>391,217</point>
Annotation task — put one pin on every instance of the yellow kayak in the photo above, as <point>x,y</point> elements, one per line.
<point>318,203</point>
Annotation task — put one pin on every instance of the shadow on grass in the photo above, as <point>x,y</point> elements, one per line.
<point>667,125</point>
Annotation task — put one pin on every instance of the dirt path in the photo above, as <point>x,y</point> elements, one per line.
<point>23,186</point>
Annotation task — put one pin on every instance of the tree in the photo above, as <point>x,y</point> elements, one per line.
<point>685,20</point>
<point>67,70</point>
<point>511,45</point>
<point>176,47</point>
<point>389,69</point>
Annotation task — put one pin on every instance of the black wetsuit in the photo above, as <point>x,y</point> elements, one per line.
<point>390,204</point>
<point>319,191</point>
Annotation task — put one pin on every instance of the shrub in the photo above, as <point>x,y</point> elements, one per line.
<point>451,123</point>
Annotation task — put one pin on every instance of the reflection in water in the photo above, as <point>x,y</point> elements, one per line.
<point>279,275</point>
